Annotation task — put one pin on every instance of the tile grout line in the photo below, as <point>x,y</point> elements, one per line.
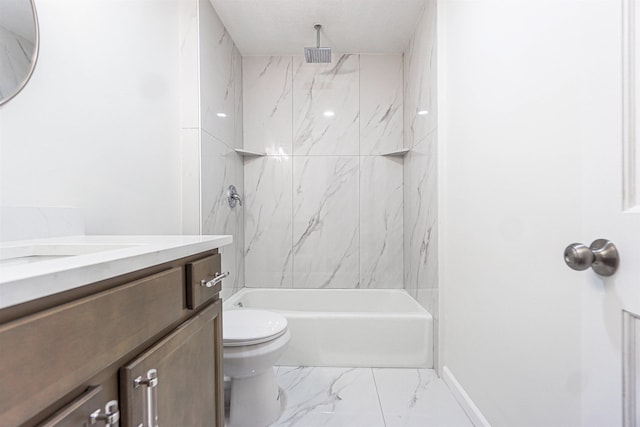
<point>293,177</point>
<point>360,179</point>
<point>375,384</point>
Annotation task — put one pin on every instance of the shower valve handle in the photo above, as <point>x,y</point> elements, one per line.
<point>233,197</point>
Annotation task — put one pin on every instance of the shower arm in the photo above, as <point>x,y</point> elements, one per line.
<point>317,27</point>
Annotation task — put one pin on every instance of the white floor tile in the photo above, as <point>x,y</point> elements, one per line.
<point>417,397</point>
<point>363,397</point>
<point>334,397</point>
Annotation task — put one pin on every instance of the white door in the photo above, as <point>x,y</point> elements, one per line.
<point>611,210</point>
<point>530,107</point>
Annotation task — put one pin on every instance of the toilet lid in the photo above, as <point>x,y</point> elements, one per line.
<point>247,326</point>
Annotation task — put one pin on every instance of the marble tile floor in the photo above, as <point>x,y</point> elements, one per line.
<point>365,397</point>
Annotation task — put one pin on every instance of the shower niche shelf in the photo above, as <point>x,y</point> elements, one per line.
<point>397,153</point>
<point>247,153</point>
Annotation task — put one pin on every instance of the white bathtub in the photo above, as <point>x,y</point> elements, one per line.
<point>347,327</point>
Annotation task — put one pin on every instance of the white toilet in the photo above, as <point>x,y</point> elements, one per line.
<point>253,342</point>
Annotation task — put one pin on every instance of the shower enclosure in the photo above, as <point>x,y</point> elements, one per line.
<point>335,162</point>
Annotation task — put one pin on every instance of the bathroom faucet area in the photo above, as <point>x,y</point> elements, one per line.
<point>300,213</point>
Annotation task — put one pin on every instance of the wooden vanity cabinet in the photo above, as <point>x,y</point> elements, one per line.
<point>93,354</point>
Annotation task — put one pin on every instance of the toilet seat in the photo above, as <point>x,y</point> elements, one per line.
<point>244,327</point>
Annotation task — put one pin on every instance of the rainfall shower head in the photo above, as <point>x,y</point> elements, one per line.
<point>317,55</point>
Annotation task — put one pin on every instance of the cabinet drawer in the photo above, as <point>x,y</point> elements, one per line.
<point>198,274</point>
<point>48,354</point>
<point>78,412</point>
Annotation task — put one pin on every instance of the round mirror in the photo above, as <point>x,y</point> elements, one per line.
<point>18,45</point>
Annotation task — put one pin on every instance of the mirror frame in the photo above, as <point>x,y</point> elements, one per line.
<point>34,59</point>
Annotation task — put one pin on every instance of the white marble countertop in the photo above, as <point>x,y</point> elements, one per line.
<point>31,269</point>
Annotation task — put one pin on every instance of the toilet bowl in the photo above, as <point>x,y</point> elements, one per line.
<point>253,342</point>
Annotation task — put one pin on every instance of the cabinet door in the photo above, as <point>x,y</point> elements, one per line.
<point>178,381</point>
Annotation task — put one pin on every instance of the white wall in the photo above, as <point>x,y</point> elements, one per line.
<point>511,90</point>
<point>97,127</point>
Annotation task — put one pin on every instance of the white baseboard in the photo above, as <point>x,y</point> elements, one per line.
<point>463,399</point>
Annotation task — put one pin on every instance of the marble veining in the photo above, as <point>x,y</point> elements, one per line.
<point>420,167</point>
<point>381,222</point>
<point>267,85</point>
<point>417,397</point>
<point>268,221</point>
<point>238,118</point>
<point>325,222</point>
<point>381,103</point>
<point>412,384</point>
<point>364,397</point>
<point>331,205</point>
<point>238,245</point>
<point>221,166</point>
<point>218,82</point>
<point>421,216</point>
<point>326,106</point>
<point>420,101</point>
<point>329,396</point>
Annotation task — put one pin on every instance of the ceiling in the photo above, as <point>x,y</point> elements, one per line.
<point>285,27</point>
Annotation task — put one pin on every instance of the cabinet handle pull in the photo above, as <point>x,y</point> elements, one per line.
<point>211,283</point>
<point>111,415</point>
<point>151,401</point>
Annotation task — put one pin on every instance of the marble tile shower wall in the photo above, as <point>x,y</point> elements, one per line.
<point>221,120</point>
<point>420,164</point>
<point>323,208</point>
<point>211,70</point>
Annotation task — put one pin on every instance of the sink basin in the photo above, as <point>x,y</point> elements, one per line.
<point>27,254</point>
